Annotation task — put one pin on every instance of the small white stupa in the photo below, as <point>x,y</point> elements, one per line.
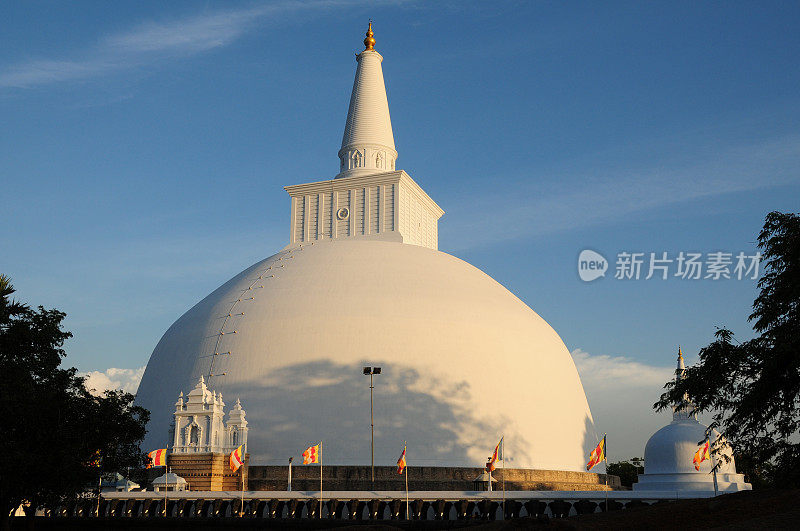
<point>170,482</point>
<point>668,455</point>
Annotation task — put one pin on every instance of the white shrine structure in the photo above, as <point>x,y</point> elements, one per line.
<point>361,281</point>
<point>199,425</point>
<point>668,455</point>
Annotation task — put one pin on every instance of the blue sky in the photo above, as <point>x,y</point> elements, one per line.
<point>145,145</point>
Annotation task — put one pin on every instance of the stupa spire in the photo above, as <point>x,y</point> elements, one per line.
<point>368,141</point>
<point>369,42</point>
<point>684,409</point>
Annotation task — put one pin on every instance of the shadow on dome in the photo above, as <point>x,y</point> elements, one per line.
<point>332,400</point>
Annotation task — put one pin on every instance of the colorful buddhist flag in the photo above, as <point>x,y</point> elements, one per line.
<point>237,458</point>
<point>401,463</point>
<point>96,461</point>
<point>157,458</point>
<point>311,455</point>
<point>496,456</point>
<point>597,455</point>
<point>701,455</point>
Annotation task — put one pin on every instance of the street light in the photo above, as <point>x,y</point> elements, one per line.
<point>371,371</point>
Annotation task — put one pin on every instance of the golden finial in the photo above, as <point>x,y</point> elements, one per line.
<point>369,42</point>
<point>680,354</point>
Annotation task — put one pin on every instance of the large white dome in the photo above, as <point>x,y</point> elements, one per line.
<point>464,361</point>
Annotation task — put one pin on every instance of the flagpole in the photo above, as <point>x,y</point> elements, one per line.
<point>605,458</point>
<point>714,470</point>
<point>290,475</point>
<point>166,482</point>
<point>99,488</point>
<point>488,469</point>
<point>241,507</point>
<point>320,480</point>
<point>405,446</point>
<point>503,456</point>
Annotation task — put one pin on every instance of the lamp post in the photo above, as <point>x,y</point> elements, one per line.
<point>371,371</point>
<point>638,462</point>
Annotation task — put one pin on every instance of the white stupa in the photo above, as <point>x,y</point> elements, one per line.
<point>668,455</point>
<point>169,482</point>
<point>361,282</point>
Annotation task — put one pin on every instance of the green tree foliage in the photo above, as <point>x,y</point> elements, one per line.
<point>760,474</point>
<point>752,389</point>
<point>627,471</point>
<point>56,436</point>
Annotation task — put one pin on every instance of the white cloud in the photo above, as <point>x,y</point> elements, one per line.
<point>190,35</point>
<point>606,373</point>
<point>549,207</point>
<point>155,41</point>
<point>621,392</point>
<point>113,379</point>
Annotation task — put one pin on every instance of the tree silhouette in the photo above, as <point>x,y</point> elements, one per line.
<point>56,436</point>
<point>753,388</point>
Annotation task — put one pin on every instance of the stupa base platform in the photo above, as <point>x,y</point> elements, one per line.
<point>432,478</point>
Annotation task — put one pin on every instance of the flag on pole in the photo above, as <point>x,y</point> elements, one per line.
<point>701,455</point>
<point>96,461</point>
<point>401,463</point>
<point>157,458</point>
<point>496,456</point>
<point>237,458</point>
<point>597,455</point>
<point>311,455</point>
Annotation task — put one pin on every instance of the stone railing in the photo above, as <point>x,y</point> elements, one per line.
<point>361,505</point>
